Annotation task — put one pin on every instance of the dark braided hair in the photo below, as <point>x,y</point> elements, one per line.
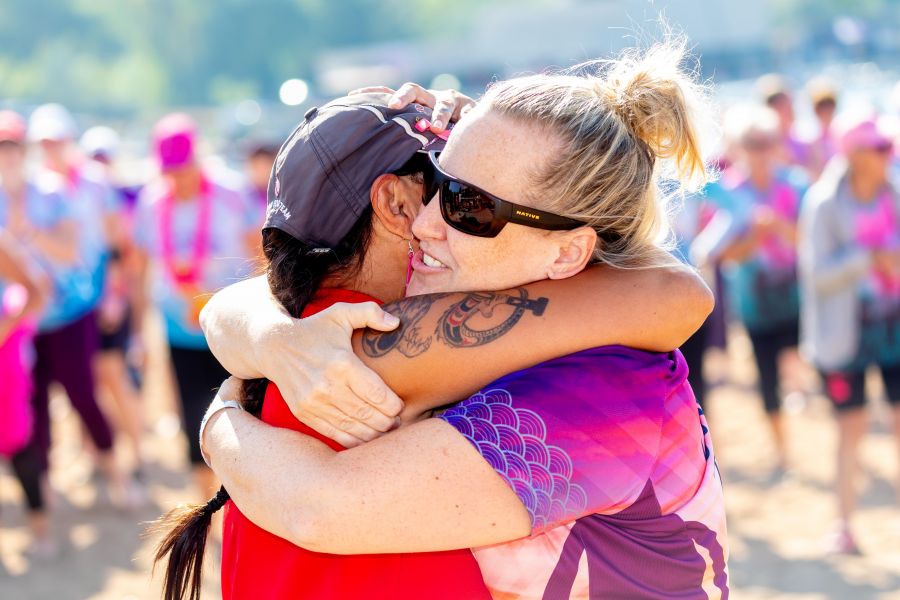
<point>295,272</point>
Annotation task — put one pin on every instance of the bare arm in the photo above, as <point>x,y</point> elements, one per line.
<point>17,267</point>
<point>228,317</point>
<point>460,342</point>
<point>325,386</point>
<point>420,488</point>
<point>139,267</point>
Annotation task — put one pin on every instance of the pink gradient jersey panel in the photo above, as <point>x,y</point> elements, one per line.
<point>610,454</point>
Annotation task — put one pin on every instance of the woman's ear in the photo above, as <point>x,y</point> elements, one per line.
<point>575,250</point>
<point>396,202</point>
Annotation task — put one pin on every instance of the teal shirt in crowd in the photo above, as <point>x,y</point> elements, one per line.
<point>763,288</point>
<point>233,218</point>
<point>74,286</point>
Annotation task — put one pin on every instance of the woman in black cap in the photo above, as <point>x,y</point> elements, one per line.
<point>311,258</point>
<point>569,478</point>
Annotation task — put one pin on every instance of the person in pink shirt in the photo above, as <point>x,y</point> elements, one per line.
<point>24,290</point>
<point>850,276</point>
<point>196,234</point>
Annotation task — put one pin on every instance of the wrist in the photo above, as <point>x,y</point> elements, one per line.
<point>215,410</point>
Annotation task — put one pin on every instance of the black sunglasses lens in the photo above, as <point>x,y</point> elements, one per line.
<point>467,209</point>
<point>432,184</point>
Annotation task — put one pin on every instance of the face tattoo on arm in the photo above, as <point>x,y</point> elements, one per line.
<point>454,327</point>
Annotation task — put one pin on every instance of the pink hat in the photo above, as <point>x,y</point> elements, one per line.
<point>12,127</point>
<point>173,141</point>
<point>864,134</point>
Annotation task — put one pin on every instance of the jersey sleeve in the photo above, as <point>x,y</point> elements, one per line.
<point>574,436</point>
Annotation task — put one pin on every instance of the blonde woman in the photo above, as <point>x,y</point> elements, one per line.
<point>570,478</point>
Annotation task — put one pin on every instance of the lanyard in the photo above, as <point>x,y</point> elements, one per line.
<point>188,273</point>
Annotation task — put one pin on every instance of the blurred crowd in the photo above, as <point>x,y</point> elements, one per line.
<point>98,256</point>
<point>801,240</point>
<point>799,237</point>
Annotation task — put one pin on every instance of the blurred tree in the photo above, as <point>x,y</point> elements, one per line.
<point>132,54</point>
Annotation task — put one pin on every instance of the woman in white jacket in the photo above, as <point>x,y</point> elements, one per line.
<point>850,286</point>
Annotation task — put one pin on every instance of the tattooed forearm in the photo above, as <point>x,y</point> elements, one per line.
<point>477,319</point>
<point>460,326</point>
<point>407,338</point>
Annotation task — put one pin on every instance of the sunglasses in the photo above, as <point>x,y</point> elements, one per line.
<point>471,210</point>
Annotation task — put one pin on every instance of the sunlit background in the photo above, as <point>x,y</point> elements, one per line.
<point>249,69</point>
<point>245,67</point>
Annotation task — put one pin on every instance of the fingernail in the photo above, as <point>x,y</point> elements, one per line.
<point>437,124</point>
<point>394,103</point>
<point>391,320</point>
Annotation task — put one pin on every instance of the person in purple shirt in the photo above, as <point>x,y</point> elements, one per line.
<point>776,94</point>
<point>587,476</point>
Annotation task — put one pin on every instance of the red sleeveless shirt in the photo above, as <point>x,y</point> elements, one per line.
<point>260,565</point>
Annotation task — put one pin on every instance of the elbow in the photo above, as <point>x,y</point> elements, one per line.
<point>209,323</point>
<point>309,529</point>
<point>302,529</point>
<point>206,318</point>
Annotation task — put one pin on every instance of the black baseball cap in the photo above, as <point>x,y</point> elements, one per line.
<point>322,175</point>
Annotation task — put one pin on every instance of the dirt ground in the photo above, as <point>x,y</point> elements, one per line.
<point>777,526</point>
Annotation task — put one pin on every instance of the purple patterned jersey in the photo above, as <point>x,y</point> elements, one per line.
<point>610,453</point>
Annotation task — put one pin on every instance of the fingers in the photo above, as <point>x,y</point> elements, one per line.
<point>411,92</point>
<point>448,108</point>
<point>328,430</point>
<point>360,316</point>
<point>376,404</point>
<point>340,426</point>
<point>443,112</point>
<point>371,90</point>
<point>348,402</point>
<point>360,393</point>
<point>448,105</point>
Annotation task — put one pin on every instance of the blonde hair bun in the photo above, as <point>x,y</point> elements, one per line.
<point>660,102</point>
<point>623,126</point>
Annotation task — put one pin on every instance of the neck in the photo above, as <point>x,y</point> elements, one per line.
<point>187,188</point>
<point>379,276</point>
<point>863,188</point>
